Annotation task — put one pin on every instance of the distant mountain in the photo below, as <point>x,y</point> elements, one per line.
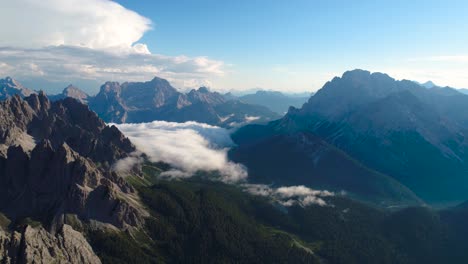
<point>446,89</point>
<point>230,96</point>
<point>276,101</point>
<point>463,90</point>
<point>134,102</point>
<point>416,135</point>
<point>428,84</point>
<point>10,87</point>
<point>299,94</point>
<point>72,92</point>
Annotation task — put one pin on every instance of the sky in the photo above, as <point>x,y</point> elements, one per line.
<point>292,46</point>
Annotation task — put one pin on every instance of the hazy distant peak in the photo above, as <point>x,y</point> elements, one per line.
<point>10,87</point>
<point>159,80</point>
<point>203,89</point>
<point>75,92</point>
<point>271,93</point>
<point>428,84</point>
<point>10,81</point>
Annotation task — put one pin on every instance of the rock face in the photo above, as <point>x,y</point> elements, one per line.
<point>36,245</point>
<point>57,159</point>
<point>134,102</point>
<point>10,87</point>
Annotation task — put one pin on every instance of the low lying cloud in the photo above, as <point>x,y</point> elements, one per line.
<point>189,147</point>
<point>290,195</point>
<point>128,163</point>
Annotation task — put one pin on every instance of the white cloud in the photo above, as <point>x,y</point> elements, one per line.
<point>189,147</point>
<point>128,163</point>
<point>291,191</point>
<point>290,195</point>
<point>251,118</point>
<point>96,24</point>
<point>68,63</point>
<point>73,40</point>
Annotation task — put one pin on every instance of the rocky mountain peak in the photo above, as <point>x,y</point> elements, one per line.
<point>203,89</point>
<point>11,82</point>
<point>355,88</point>
<point>159,81</point>
<point>429,84</point>
<point>203,95</point>
<point>10,87</point>
<point>110,87</point>
<point>76,93</point>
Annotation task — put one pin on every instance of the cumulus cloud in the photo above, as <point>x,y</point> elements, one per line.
<point>189,147</point>
<point>96,24</point>
<point>290,195</point>
<point>72,40</point>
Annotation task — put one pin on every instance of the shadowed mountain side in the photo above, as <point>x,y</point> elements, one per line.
<point>302,158</point>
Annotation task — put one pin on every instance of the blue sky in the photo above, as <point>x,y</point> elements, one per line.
<point>265,38</point>
<point>290,46</point>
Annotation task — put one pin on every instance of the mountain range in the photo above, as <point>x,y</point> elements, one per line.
<point>415,135</point>
<point>136,102</point>
<point>62,199</point>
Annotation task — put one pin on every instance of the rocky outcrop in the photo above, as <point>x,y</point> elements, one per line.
<point>36,245</point>
<point>62,121</point>
<point>205,96</point>
<point>56,159</point>
<point>51,182</point>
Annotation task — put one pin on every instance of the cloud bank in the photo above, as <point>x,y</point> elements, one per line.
<point>189,147</point>
<point>69,63</point>
<point>291,195</point>
<point>69,40</point>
